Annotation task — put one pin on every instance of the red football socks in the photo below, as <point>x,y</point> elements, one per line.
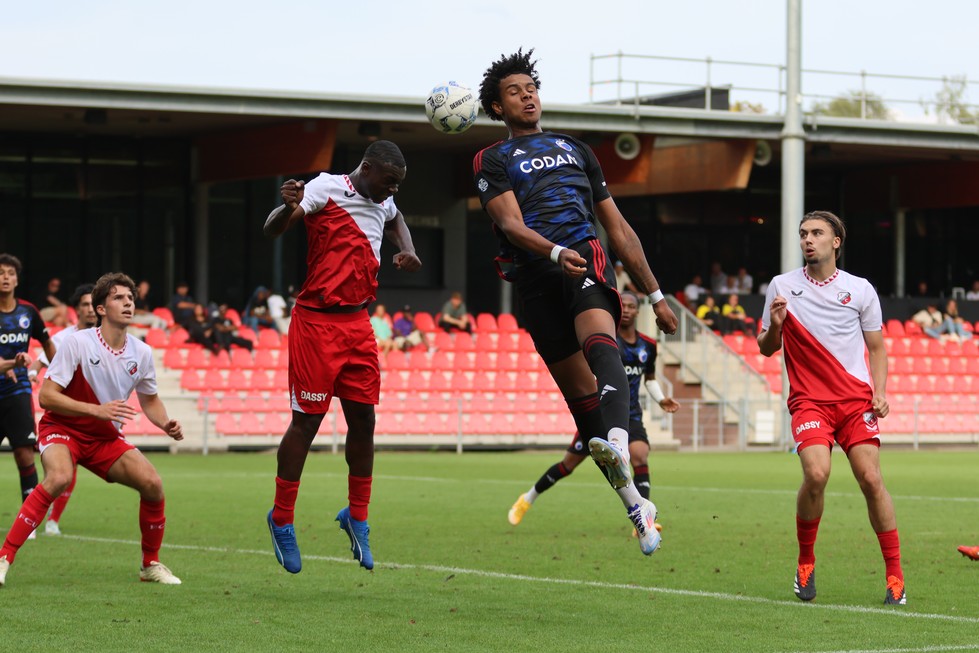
<point>284,507</point>
<point>806,533</point>
<point>58,507</point>
<point>359,495</point>
<point>151,524</point>
<point>29,516</point>
<point>890,547</point>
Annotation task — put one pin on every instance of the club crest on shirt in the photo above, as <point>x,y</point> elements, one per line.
<point>843,297</point>
<point>643,355</point>
<point>24,321</point>
<point>131,368</point>
<point>870,419</point>
<point>563,144</point>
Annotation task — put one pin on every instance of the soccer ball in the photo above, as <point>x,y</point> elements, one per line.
<point>451,108</point>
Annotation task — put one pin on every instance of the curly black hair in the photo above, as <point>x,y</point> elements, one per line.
<point>515,64</point>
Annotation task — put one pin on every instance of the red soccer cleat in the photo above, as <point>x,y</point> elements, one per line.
<point>970,552</point>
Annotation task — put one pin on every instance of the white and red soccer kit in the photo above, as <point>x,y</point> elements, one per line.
<point>830,388</point>
<point>92,372</point>
<point>332,350</point>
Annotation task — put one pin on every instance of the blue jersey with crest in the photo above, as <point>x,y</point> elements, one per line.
<point>16,330</point>
<point>556,180</point>
<point>639,359</point>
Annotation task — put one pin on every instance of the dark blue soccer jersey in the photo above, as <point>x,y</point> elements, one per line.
<point>639,359</point>
<point>556,179</point>
<point>16,330</point>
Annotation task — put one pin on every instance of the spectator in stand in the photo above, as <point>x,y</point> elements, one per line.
<point>718,277</point>
<point>455,316</point>
<point>279,312</point>
<point>53,310</point>
<point>201,330</point>
<point>225,333</point>
<point>406,333</point>
<point>623,281</point>
<point>763,286</point>
<point>973,294</point>
<point>142,311</point>
<point>730,285</point>
<point>745,282</point>
<point>952,326</point>
<point>928,318</point>
<point>694,290</point>
<point>182,305</point>
<point>256,314</point>
<point>709,313</point>
<point>381,322</point>
<point>733,316</point>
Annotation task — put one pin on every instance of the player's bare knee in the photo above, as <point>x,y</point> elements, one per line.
<point>56,481</point>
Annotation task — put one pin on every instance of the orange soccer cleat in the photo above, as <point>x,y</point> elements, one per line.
<point>971,552</point>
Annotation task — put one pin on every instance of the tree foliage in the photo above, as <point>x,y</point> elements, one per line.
<point>950,103</point>
<point>849,106</point>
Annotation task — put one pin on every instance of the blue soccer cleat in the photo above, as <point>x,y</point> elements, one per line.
<point>285,547</point>
<point>357,531</point>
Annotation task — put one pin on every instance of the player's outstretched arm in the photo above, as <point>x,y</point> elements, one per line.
<point>506,214</point>
<point>398,233</point>
<point>156,412</point>
<point>283,217</point>
<point>878,371</point>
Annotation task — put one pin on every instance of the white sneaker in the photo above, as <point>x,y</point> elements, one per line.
<point>33,535</point>
<point>611,461</point>
<point>158,572</point>
<point>4,566</point>
<point>643,517</point>
<point>51,528</point>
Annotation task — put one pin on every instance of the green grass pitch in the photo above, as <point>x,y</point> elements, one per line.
<point>453,575</point>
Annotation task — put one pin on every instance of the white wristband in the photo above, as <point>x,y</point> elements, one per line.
<point>656,392</point>
<point>31,374</point>
<point>556,253</point>
<point>656,296</point>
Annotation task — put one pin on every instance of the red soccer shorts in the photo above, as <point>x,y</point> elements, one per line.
<point>94,454</point>
<point>848,423</point>
<point>332,354</point>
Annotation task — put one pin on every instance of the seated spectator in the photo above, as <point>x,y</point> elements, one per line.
<point>718,277</point>
<point>53,310</point>
<point>279,312</point>
<point>256,314</point>
<point>623,281</point>
<point>952,326</point>
<point>182,305</point>
<point>694,290</point>
<point>201,330</point>
<point>928,318</point>
<point>733,316</point>
<point>744,282</point>
<point>142,311</point>
<point>973,294</point>
<point>455,316</point>
<point>381,322</point>
<point>730,285</point>
<point>709,313</point>
<point>406,334</point>
<point>225,332</point>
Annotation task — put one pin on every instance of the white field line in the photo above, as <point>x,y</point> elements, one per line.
<point>921,649</point>
<point>891,612</point>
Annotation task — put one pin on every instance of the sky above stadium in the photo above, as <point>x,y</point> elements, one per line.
<point>404,48</point>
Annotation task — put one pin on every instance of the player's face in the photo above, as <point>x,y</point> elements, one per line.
<point>818,242</point>
<point>8,278</point>
<point>629,311</point>
<point>383,180</point>
<point>519,102</point>
<point>118,308</point>
<point>86,312</point>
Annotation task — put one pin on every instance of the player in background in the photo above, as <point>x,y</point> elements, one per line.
<point>824,317</point>
<point>638,353</point>
<point>332,349</point>
<point>543,192</point>
<point>19,322</point>
<point>81,301</point>
<point>84,398</point>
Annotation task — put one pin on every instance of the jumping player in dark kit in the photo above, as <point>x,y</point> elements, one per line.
<point>638,354</point>
<point>19,322</point>
<point>543,192</point>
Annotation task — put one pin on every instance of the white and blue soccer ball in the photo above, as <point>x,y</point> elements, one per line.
<point>452,107</point>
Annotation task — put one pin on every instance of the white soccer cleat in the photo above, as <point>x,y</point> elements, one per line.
<point>643,517</point>
<point>4,566</point>
<point>33,535</point>
<point>51,528</point>
<point>158,572</point>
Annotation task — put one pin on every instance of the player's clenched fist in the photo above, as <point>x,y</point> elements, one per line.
<point>292,193</point>
<point>778,310</point>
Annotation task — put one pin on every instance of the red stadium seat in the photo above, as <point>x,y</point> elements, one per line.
<point>443,341</point>
<point>424,321</point>
<point>192,380</point>
<point>506,322</point>
<point>221,360</point>
<point>250,424</point>
<point>395,360</point>
<point>268,338</point>
<point>463,342</point>
<point>179,337</point>
<point>275,423</point>
<point>242,359</point>
<point>442,360</point>
<point>261,381</point>
<point>157,339</point>
<point>214,380</point>
<point>164,313</point>
<point>227,424</point>
<point>901,365</point>
<point>525,343</point>
<point>173,359</point>
<point>486,323</point>
<point>895,328</point>
<point>198,358</point>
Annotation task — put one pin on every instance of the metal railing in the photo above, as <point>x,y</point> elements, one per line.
<point>636,75</point>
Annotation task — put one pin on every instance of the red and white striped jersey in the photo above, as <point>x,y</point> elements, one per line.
<point>822,337</point>
<point>91,372</point>
<point>344,231</point>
